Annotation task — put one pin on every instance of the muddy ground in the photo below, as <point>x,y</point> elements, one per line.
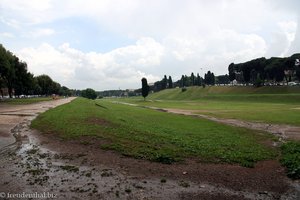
<point>37,163</point>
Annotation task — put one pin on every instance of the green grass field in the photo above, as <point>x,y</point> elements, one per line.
<point>253,104</point>
<point>26,100</point>
<point>158,136</point>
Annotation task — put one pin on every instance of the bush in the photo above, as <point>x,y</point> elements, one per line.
<point>291,159</point>
<point>89,93</point>
<point>258,82</point>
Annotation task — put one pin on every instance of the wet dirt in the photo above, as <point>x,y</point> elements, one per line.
<point>79,169</point>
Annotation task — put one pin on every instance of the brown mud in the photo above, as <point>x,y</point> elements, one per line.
<point>79,169</point>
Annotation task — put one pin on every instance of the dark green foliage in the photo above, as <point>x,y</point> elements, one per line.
<point>231,71</point>
<point>47,85</point>
<point>291,159</point>
<point>89,93</point>
<point>145,88</point>
<point>272,70</point>
<point>258,82</point>
<point>192,79</point>
<point>15,77</point>
<point>164,82</point>
<point>165,159</point>
<point>223,79</point>
<point>182,81</point>
<point>170,82</point>
<point>209,78</point>
<point>198,80</point>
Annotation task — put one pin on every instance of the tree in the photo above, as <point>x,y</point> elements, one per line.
<point>164,82</point>
<point>209,78</point>
<point>198,80</point>
<point>15,77</point>
<point>231,72</point>
<point>89,93</point>
<point>182,81</point>
<point>170,82</point>
<point>192,79</point>
<point>45,83</point>
<point>223,79</point>
<point>145,88</point>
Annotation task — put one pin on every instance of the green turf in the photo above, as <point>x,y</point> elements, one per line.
<point>264,105</point>
<point>154,135</point>
<point>26,100</point>
<point>273,94</point>
<point>291,158</point>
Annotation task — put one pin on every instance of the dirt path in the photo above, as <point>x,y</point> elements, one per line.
<point>11,115</point>
<point>79,169</point>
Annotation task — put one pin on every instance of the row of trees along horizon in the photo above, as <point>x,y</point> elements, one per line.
<point>15,77</point>
<point>258,72</point>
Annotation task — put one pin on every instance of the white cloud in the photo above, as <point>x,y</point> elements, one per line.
<point>41,32</point>
<point>289,28</point>
<point>10,22</point>
<point>124,66</point>
<point>7,35</point>
<point>282,39</point>
<point>172,37</point>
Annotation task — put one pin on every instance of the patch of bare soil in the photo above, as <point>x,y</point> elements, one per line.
<point>100,121</point>
<point>80,169</point>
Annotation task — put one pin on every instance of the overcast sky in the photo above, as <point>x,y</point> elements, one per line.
<point>111,44</point>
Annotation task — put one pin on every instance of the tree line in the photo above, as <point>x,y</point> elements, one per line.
<point>15,77</point>
<point>257,72</point>
<point>261,70</point>
<point>192,80</point>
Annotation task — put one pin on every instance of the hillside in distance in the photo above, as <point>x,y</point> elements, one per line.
<point>268,93</point>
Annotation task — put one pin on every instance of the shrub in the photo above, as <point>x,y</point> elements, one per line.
<point>291,159</point>
<point>89,93</point>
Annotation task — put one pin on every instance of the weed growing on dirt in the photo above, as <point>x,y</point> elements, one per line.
<point>70,168</point>
<point>163,180</point>
<point>291,158</point>
<point>26,100</point>
<point>184,184</point>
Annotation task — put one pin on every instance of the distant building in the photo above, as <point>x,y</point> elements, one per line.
<point>151,84</point>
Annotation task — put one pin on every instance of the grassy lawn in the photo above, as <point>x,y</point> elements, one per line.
<point>291,158</point>
<point>26,100</point>
<point>153,135</point>
<point>269,107</point>
<point>276,113</point>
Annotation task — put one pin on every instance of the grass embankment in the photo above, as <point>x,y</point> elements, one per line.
<point>239,93</point>
<point>25,100</point>
<point>153,135</point>
<point>278,105</point>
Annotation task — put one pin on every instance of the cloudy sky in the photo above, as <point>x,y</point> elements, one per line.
<point>111,44</point>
